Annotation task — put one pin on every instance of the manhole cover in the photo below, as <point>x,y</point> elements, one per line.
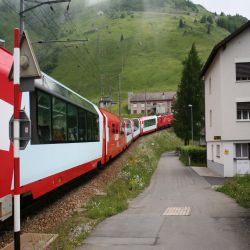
<point>178,211</point>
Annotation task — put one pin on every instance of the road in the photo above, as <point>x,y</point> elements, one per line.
<point>216,222</point>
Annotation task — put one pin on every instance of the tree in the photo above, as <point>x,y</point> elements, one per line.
<point>210,20</point>
<point>181,23</point>
<point>208,28</point>
<point>190,91</point>
<point>203,19</point>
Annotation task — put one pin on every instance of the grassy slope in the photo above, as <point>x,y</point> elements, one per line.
<point>153,50</point>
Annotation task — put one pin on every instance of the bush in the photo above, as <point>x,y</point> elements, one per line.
<point>198,155</point>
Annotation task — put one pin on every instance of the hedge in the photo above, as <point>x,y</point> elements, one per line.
<point>198,155</point>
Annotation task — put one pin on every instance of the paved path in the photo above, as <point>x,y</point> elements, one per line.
<point>216,221</point>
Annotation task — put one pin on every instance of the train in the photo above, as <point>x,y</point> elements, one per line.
<point>70,136</point>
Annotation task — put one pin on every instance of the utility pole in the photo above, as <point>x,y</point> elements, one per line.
<point>119,98</point>
<point>192,125</point>
<point>119,91</point>
<point>38,4</point>
<point>21,16</point>
<point>101,86</point>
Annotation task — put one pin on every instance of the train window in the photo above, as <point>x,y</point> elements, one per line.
<point>122,128</point>
<point>43,117</point>
<point>89,126</point>
<point>95,130</point>
<point>136,124</point>
<point>128,126</point>
<point>82,133</point>
<point>72,123</point>
<point>59,120</point>
<point>148,123</point>
<point>113,128</point>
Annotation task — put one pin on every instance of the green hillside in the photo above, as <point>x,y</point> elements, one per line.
<point>149,46</point>
<point>141,41</point>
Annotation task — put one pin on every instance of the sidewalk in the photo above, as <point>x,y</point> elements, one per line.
<point>216,221</point>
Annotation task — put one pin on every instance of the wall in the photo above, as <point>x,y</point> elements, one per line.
<point>237,50</point>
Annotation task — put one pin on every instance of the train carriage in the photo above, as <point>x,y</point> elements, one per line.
<point>66,137</point>
<point>115,137</point>
<point>164,121</point>
<point>128,131</point>
<point>148,124</point>
<point>136,128</point>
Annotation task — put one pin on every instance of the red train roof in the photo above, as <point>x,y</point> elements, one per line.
<point>111,116</point>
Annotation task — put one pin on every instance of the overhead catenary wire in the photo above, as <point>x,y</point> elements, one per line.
<point>45,23</point>
<point>47,20</point>
<point>50,19</point>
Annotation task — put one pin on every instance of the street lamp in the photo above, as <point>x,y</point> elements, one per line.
<point>192,125</point>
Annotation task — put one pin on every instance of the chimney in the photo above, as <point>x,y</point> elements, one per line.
<point>2,43</point>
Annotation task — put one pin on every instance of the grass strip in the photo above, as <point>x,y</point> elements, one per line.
<point>238,188</point>
<point>133,178</point>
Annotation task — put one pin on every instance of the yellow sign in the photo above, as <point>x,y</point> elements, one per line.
<point>226,152</point>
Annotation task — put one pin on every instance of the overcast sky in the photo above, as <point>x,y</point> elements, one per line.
<point>232,7</point>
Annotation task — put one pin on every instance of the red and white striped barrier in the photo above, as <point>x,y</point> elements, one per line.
<point>16,70</point>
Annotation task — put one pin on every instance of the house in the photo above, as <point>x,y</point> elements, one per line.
<point>100,13</point>
<point>151,103</point>
<point>2,43</point>
<point>227,104</point>
<point>105,102</point>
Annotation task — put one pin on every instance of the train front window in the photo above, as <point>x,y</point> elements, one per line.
<point>43,117</point>
<point>72,119</point>
<point>59,120</point>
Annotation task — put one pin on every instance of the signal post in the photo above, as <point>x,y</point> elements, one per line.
<point>16,139</point>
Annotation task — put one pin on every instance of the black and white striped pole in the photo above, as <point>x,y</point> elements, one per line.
<point>16,139</point>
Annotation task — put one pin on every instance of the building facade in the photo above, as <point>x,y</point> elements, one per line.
<point>151,103</point>
<point>227,104</point>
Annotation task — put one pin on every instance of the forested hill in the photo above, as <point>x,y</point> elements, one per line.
<point>144,42</point>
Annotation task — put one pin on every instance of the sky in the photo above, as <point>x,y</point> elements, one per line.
<point>232,7</point>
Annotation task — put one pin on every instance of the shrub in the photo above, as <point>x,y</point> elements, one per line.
<point>238,188</point>
<point>197,155</point>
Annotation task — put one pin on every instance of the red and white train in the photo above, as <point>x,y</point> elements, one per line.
<point>69,137</point>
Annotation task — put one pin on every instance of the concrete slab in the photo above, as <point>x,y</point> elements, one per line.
<point>33,241</point>
<point>203,171</point>
<point>120,241</point>
<point>143,226</point>
<point>216,221</point>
